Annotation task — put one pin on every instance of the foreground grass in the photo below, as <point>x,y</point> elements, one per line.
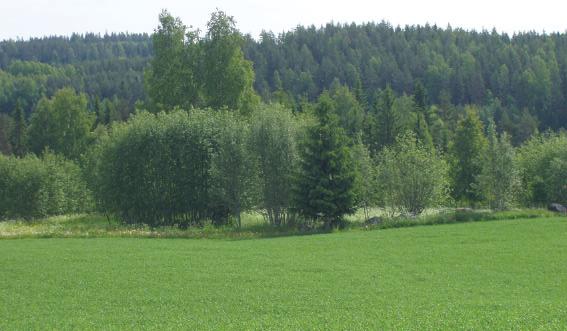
<point>482,275</point>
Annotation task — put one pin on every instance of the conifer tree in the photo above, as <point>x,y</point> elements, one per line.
<point>422,131</point>
<point>387,118</point>
<point>19,137</point>
<point>325,186</point>
<point>467,149</point>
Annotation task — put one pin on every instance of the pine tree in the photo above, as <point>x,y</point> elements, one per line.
<point>467,149</point>
<point>420,98</point>
<point>19,137</point>
<point>325,186</point>
<point>387,118</point>
<point>422,131</point>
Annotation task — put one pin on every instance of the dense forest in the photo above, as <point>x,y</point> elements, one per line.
<point>520,79</point>
<point>183,126</point>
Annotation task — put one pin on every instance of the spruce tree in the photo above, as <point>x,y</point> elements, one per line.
<point>325,185</point>
<point>19,134</point>
<point>387,118</point>
<point>467,150</point>
<point>422,131</point>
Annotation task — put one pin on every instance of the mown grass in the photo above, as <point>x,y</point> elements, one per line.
<point>482,275</point>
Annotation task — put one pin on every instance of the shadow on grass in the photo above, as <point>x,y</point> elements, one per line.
<point>99,226</point>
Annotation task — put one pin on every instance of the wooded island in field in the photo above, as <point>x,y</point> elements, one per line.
<point>185,127</point>
<point>310,166</point>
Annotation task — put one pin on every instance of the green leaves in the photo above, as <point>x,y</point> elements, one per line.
<point>61,124</point>
<point>31,187</point>
<point>498,182</point>
<point>411,176</point>
<point>187,71</point>
<point>273,140</point>
<point>467,149</point>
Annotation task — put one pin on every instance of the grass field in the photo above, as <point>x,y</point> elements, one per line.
<point>483,275</point>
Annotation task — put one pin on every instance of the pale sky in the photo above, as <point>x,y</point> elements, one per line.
<point>35,18</point>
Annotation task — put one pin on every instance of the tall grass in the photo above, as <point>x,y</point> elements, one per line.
<point>253,226</point>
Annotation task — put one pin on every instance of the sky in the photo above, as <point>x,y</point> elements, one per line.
<point>36,18</point>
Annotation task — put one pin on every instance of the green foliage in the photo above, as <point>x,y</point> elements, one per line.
<point>365,187</point>
<point>19,135</point>
<point>274,135</point>
<point>228,75</point>
<point>383,122</point>
<point>348,109</point>
<point>61,124</point>
<point>325,184</point>
<point>31,187</point>
<point>172,79</point>
<point>422,133</point>
<point>453,216</point>
<point>6,129</point>
<point>411,177</point>
<point>498,182</point>
<point>187,71</point>
<point>156,169</point>
<point>466,150</point>
<point>542,161</point>
<point>232,166</point>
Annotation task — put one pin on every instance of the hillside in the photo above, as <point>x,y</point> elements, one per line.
<point>518,78</point>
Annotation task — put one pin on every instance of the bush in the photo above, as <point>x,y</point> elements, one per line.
<point>274,132</point>
<point>179,168</point>
<point>31,187</point>
<point>543,165</point>
<point>498,182</point>
<point>412,177</point>
<point>155,169</point>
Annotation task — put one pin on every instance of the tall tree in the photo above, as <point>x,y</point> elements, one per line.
<point>349,110</point>
<point>325,186</point>
<point>19,137</point>
<point>420,98</point>
<point>387,117</point>
<point>274,143</point>
<point>422,133</point>
<point>171,79</point>
<point>232,166</point>
<point>6,127</point>
<point>467,150</point>
<point>498,181</point>
<point>61,124</point>
<point>228,75</point>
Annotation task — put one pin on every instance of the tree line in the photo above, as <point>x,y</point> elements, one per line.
<point>207,145</point>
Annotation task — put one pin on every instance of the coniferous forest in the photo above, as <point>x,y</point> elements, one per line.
<point>403,118</point>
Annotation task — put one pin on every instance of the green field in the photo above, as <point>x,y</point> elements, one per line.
<point>484,275</point>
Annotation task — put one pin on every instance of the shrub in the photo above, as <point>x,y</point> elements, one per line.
<point>274,132</point>
<point>543,165</point>
<point>498,182</point>
<point>178,168</point>
<point>411,177</point>
<point>33,187</point>
<point>154,169</point>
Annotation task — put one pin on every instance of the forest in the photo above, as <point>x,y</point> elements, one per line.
<point>182,127</point>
